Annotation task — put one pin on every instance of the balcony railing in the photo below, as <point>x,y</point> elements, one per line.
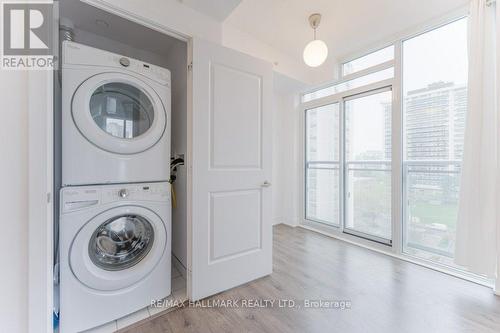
<point>430,208</point>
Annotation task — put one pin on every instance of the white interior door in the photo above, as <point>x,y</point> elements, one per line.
<point>231,229</point>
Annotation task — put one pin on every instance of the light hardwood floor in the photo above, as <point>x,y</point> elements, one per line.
<point>386,294</point>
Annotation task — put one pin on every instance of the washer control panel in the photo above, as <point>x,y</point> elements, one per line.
<point>81,197</point>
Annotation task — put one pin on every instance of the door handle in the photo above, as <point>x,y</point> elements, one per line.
<point>265,184</point>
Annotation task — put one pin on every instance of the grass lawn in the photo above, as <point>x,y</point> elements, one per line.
<point>429,213</point>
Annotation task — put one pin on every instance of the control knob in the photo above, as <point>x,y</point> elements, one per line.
<point>123,193</point>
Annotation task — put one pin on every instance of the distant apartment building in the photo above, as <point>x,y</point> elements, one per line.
<point>434,131</point>
<point>435,119</point>
<point>434,123</point>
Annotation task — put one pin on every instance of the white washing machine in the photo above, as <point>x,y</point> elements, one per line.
<point>115,247</point>
<point>115,118</point>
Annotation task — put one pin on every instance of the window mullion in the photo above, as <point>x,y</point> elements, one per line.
<point>342,165</point>
<point>397,153</point>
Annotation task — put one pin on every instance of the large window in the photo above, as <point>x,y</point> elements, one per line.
<point>384,148</point>
<point>434,106</point>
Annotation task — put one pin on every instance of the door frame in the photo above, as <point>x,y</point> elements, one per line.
<point>40,200</point>
<point>41,171</point>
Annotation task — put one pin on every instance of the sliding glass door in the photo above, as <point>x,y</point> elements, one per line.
<point>363,166</point>
<point>367,137</point>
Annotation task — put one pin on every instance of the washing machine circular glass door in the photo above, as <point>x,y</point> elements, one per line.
<point>118,248</point>
<point>119,113</point>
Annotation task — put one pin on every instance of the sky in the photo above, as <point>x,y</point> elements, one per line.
<point>440,55</point>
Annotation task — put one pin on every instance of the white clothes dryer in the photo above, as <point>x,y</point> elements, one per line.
<point>115,247</point>
<point>115,118</point>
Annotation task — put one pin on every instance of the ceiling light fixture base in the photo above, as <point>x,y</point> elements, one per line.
<point>314,20</point>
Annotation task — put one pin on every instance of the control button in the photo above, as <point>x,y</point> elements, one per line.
<point>123,193</point>
<point>124,62</point>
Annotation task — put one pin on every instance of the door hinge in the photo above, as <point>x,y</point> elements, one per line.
<point>190,66</point>
<point>49,197</point>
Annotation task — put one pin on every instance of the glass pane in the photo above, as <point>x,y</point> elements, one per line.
<point>368,202</point>
<point>369,60</point>
<point>368,127</point>
<point>351,84</point>
<point>432,211</point>
<point>322,195</point>
<point>434,107</point>
<point>121,110</point>
<point>435,93</point>
<point>121,242</point>
<point>322,126</point>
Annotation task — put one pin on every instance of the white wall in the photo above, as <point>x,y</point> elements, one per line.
<point>286,168</point>
<point>284,165</point>
<point>14,202</point>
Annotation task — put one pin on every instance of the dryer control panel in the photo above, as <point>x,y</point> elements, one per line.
<point>79,54</point>
<point>80,197</point>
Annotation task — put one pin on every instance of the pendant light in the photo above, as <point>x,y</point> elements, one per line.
<point>316,51</point>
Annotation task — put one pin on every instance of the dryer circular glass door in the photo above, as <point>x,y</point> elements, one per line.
<point>118,113</point>
<point>118,248</point>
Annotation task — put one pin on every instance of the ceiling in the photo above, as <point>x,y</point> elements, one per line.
<point>217,9</point>
<point>347,25</point>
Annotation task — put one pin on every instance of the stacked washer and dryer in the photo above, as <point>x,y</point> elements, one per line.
<point>115,211</point>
